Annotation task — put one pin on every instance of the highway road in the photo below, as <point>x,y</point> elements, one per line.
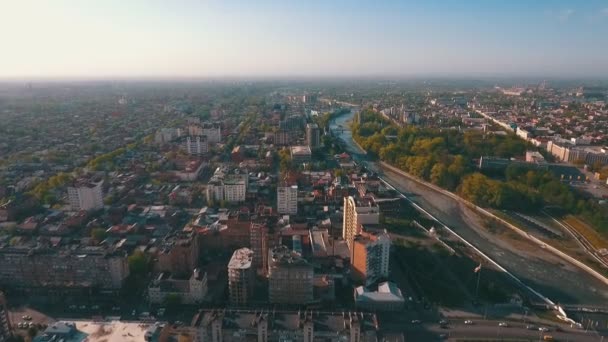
<point>537,268</point>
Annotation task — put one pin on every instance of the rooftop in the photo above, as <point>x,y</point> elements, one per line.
<point>241,259</point>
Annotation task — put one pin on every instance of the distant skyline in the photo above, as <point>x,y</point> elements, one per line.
<point>198,39</point>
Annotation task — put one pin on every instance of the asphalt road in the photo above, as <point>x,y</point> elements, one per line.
<point>539,269</point>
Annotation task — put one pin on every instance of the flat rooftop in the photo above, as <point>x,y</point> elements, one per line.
<point>241,259</point>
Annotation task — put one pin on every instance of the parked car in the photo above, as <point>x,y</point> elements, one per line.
<point>468,322</point>
<point>503,325</point>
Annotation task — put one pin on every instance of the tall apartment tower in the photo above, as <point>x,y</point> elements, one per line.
<point>258,240</point>
<point>357,212</point>
<point>196,145</point>
<point>86,196</point>
<point>290,277</point>
<point>287,199</point>
<point>370,257</point>
<point>313,136</point>
<point>241,276</point>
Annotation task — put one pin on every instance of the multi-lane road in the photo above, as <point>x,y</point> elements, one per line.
<point>490,330</point>
<point>536,267</point>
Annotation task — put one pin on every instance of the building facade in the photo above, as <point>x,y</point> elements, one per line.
<point>358,212</point>
<point>370,257</point>
<point>196,145</point>
<point>241,276</point>
<point>221,325</point>
<point>186,291</point>
<point>313,136</point>
<point>287,199</point>
<point>86,196</point>
<point>60,268</point>
<point>290,277</point>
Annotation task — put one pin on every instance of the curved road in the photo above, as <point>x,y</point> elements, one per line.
<point>537,268</point>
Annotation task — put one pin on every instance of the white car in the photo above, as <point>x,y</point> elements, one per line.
<point>503,325</point>
<point>468,322</point>
<point>543,329</point>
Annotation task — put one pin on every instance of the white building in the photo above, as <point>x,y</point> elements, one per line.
<point>196,145</point>
<point>287,199</point>
<point>213,132</point>
<point>370,257</point>
<point>388,297</point>
<point>241,276</point>
<point>188,291</point>
<point>229,187</point>
<point>357,212</point>
<point>86,196</point>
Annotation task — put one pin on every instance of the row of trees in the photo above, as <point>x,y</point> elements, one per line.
<point>444,157</point>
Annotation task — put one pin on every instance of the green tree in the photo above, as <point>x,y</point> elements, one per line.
<point>138,263</point>
<point>98,234</point>
<point>439,174</point>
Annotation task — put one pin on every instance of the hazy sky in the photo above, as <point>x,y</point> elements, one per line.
<point>173,38</point>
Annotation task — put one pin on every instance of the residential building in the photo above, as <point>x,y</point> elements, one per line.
<point>282,137</point>
<point>62,267</point>
<point>213,132</point>
<point>287,199</point>
<point>241,276</point>
<point>300,154</point>
<point>387,297</point>
<point>196,145</point>
<point>227,186</point>
<point>358,211</point>
<point>6,329</point>
<point>221,325</point>
<point>259,244</point>
<point>370,257</point>
<point>85,195</point>
<point>313,136</point>
<point>178,254</point>
<point>290,277</point>
<point>186,291</point>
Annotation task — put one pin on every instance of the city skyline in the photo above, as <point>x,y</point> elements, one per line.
<point>187,39</point>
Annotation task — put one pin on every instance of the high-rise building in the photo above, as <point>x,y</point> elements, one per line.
<point>213,132</point>
<point>258,240</point>
<point>287,199</point>
<point>196,145</point>
<point>370,257</point>
<point>84,195</point>
<point>313,135</point>
<point>290,277</point>
<point>6,330</point>
<point>226,186</point>
<point>358,211</point>
<point>241,276</point>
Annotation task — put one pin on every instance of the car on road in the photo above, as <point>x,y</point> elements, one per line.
<point>543,329</point>
<point>468,322</point>
<point>531,327</point>
<point>416,321</point>
<point>503,325</point>
<point>443,322</point>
